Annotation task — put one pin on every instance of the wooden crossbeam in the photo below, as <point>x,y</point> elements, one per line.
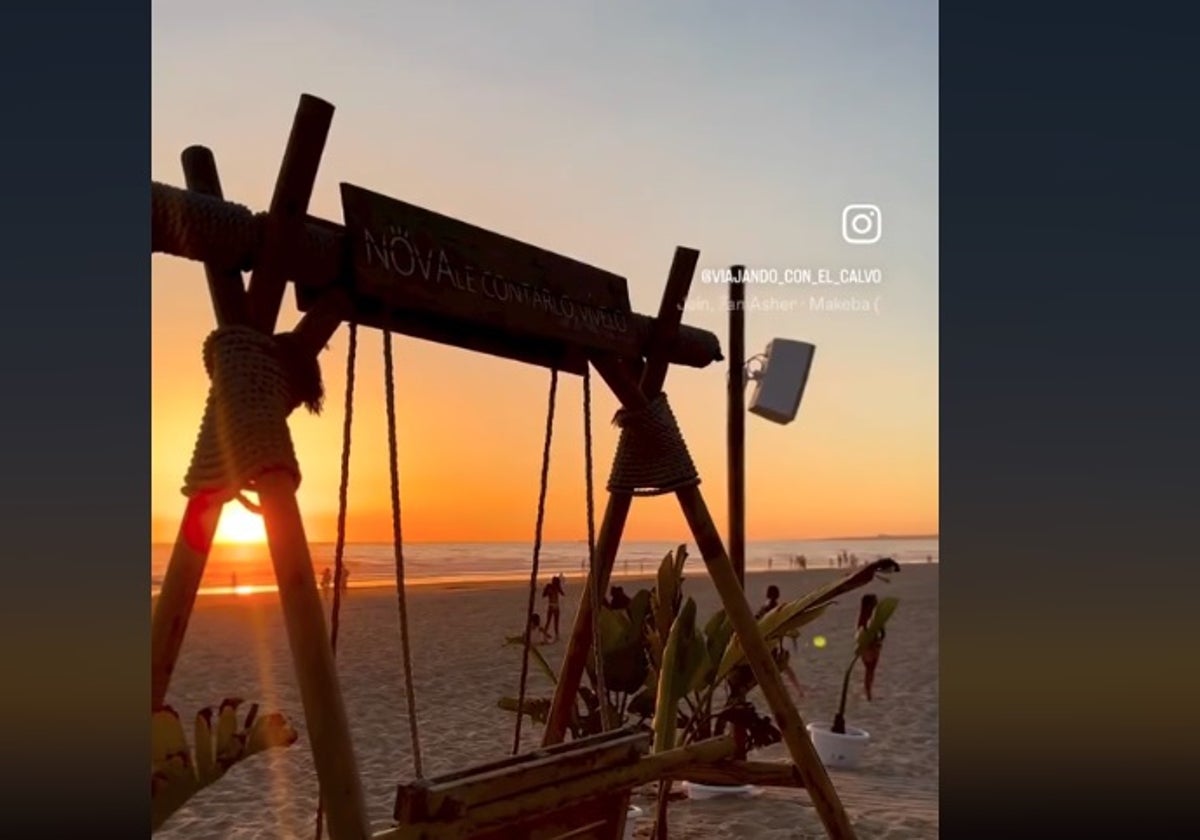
<point>450,796</point>
<point>228,236</point>
<point>553,807</point>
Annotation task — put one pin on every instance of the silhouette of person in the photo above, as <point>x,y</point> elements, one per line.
<point>344,584</point>
<point>870,657</point>
<point>772,601</point>
<point>535,623</point>
<point>326,581</point>
<point>618,600</point>
<point>552,592</point>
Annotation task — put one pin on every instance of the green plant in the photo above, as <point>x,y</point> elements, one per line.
<point>692,681</point>
<point>176,775</point>
<point>868,645</point>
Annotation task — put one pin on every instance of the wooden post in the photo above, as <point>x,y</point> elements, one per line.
<point>312,657</point>
<point>312,654</point>
<point>708,540</point>
<point>663,334</point>
<point>737,425</point>
<point>666,327</point>
<point>289,209</point>
<point>808,763</point>
<point>173,610</point>
<point>578,648</point>
<point>225,287</point>
<point>185,569</point>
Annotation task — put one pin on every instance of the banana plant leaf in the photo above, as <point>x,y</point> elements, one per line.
<point>176,775</point>
<point>773,626</point>
<point>675,678</point>
<point>870,634</point>
<point>624,651</point>
<point>717,633</point>
<point>789,618</point>
<point>667,594</point>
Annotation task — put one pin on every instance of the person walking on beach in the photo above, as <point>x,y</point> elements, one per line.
<point>870,656</point>
<point>326,581</point>
<point>344,584</point>
<point>552,592</point>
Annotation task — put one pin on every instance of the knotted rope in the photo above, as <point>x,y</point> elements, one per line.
<point>201,227</point>
<point>652,457</point>
<point>256,381</point>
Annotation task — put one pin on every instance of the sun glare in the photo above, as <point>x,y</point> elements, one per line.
<point>240,526</point>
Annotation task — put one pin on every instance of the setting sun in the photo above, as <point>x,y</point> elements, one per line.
<point>239,525</point>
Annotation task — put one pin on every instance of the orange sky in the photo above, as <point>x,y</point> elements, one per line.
<point>614,169</point>
<point>470,440</point>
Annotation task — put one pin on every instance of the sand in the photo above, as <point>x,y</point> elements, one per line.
<point>237,646</point>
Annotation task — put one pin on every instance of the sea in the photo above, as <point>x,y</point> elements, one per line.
<point>246,568</point>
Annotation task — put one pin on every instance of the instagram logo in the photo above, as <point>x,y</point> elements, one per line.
<point>862,224</point>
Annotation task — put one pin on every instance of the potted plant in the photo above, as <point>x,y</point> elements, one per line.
<point>838,745</point>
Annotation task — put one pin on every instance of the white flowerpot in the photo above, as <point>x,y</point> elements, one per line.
<point>631,817</point>
<point>838,751</point>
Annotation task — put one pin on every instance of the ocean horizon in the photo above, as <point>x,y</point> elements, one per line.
<point>245,568</point>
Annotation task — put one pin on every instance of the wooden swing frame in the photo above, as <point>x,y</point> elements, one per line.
<point>579,789</point>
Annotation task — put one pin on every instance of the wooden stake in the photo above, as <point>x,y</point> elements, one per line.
<point>664,332</point>
<point>289,209</point>
<point>708,540</point>
<point>225,288</point>
<point>180,584</point>
<point>665,329</point>
<point>808,763</point>
<point>185,569</point>
<point>579,648</point>
<point>312,657</point>
<point>736,422</point>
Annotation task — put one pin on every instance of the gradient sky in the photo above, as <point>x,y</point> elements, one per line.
<point>610,132</point>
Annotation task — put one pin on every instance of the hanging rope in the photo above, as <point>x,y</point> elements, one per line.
<point>652,457</point>
<point>409,691</point>
<point>537,551</point>
<point>343,493</point>
<point>594,593</point>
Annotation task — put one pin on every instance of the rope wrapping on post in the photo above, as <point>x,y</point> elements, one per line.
<point>200,227</point>
<point>244,432</point>
<point>652,457</point>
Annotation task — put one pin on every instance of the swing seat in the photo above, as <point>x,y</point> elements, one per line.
<point>578,790</point>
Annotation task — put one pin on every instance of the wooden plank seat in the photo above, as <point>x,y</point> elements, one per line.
<point>567,790</point>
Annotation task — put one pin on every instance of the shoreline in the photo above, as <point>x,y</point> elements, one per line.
<point>238,646</point>
<point>250,592</point>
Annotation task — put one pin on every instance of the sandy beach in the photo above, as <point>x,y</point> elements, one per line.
<point>237,646</point>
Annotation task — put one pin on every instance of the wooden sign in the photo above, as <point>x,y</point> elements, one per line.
<point>407,261</point>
